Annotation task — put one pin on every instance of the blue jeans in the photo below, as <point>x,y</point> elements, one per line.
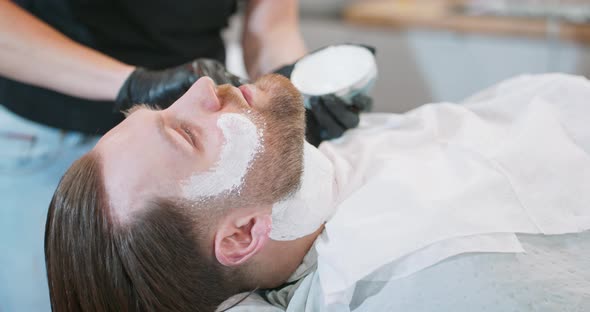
<point>32,160</point>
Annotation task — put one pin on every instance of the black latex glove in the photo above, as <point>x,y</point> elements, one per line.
<point>329,116</point>
<point>162,87</point>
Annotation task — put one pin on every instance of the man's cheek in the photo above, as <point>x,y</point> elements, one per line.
<point>236,143</point>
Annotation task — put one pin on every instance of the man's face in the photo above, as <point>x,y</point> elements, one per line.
<point>152,153</point>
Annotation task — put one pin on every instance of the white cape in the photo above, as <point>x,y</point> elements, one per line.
<point>446,179</point>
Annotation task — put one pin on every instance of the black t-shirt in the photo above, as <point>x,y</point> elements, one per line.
<point>149,33</point>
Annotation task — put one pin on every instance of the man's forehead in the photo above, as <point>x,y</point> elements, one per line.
<point>135,164</point>
<point>125,128</point>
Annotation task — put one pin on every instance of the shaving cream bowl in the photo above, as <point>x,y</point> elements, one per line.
<point>342,70</point>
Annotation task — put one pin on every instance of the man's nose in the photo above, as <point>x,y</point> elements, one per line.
<point>201,96</point>
<point>206,93</point>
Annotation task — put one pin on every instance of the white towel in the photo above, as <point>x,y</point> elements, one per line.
<point>512,159</point>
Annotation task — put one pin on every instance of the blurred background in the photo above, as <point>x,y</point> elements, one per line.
<point>427,51</point>
<point>433,50</point>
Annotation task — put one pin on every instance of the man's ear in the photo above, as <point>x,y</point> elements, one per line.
<point>239,239</point>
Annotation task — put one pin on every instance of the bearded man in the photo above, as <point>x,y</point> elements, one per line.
<point>181,208</point>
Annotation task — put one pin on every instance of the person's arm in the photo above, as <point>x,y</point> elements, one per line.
<point>34,53</point>
<point>271,36</point>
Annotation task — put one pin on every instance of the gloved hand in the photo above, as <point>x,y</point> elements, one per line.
<point>330,116</point>
<point>162,87</point>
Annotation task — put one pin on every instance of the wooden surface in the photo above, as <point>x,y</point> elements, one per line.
<point>438,14</point>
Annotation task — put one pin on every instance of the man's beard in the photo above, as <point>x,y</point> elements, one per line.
<point>276,170</point>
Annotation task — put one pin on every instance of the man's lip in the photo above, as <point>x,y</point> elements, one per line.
<point>247,93</point>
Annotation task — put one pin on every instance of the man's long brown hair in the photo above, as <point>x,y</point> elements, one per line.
<point>155,263</point>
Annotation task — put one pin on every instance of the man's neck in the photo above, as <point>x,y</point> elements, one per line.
<point>280,259</point>
<point>312,205</point>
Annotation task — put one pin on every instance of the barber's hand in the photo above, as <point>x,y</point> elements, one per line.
<point>162,87</point>
<point>329,116</point>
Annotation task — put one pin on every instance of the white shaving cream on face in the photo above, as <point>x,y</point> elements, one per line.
<point>313,204</point>
<point>242,143</point>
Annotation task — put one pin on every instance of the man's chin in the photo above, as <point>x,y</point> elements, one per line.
<point>284,95</point>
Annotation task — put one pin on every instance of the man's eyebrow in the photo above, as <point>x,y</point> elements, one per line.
<point>138,107</point>
<point>160,124</point>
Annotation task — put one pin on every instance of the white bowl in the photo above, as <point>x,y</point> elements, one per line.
<point>342,70</point>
